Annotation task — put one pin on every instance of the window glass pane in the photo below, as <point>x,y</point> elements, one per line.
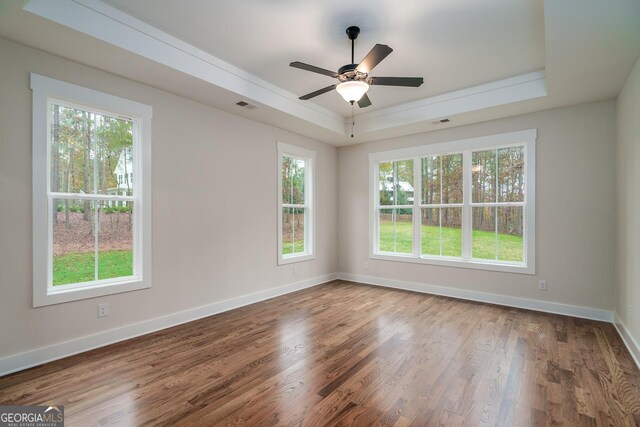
<point>430,181</point>
<point>396,230</point>
<point>90,152</point>
<point>484,233</point>
<point>511,174</point>
<point>387,238</point>
<point>385,179</point>
<point>114,155</point>
<point>299,222</point>
<point>430,231</point>
<point>396,183</point>
<point>445,240</point>
<point>287,227</point>
<point>115,239</point>
<point>483,181</point>
<point>452,178</point>
<point>451,220</point>
<point>72,150</point>
<point>510,241</point>
<point>73,242</point>
<point>293,180</point>
<point>293,222</point>
<point>404,182</point>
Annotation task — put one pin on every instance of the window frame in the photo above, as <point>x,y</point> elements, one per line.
<point>309,201</point>
<point>45,90</point>
<point>526,138</point>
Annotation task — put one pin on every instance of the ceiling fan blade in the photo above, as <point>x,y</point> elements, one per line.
<point>317,92</point>
<point>364,101</point>
<point>313,69</point>
<point>374,57</point>
<point>396,81</point>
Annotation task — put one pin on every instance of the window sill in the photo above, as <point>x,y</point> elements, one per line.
<point>295,258</point>
<point>52,296</point>
<point>506,267</point>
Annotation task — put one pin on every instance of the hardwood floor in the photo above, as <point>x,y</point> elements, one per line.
<point>350,354</point>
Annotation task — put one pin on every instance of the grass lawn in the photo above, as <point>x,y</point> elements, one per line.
<point>483,246</point>
<point>80,267</point>
<point>288,247</point>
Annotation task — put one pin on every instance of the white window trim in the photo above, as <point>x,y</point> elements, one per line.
<point>309,185</point>
<point>44,90</point>
<point>525,137</point>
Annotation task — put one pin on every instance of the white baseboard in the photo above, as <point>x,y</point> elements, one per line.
<point>628,339</point>
<point>18,362</point>
<point>510,301</point>
<point>53,352</point>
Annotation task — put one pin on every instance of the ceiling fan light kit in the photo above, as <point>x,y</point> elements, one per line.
<point>352,90</point>
<point>354,78</point>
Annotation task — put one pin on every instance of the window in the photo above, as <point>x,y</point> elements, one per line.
<point>91,230</point>
<point>295,204</point>
<point>396,207</point>
<point>468,203</point>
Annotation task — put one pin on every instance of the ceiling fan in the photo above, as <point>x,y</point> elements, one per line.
<point>354,78</point>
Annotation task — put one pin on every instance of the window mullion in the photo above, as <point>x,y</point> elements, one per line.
<point>81,196</point>
<point>417,213</point>
<point>495,209</point>
<point>96,243</point>
<point>307,188</point>
<point>377,211</point>
<point>467,224</point>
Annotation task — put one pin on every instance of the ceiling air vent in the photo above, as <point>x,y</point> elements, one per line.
<point>246,105</point>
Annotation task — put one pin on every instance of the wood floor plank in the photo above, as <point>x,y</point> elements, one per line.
<point>349,354</point>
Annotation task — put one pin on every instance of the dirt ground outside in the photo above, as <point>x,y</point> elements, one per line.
<point>115,233</point>
<point>288,229</point>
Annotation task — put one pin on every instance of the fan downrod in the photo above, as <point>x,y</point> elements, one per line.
<point>352,33</point>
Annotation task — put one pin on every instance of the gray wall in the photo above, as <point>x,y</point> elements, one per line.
<point>204,250</point>
<point>628,205</point>
<point>575,160</point>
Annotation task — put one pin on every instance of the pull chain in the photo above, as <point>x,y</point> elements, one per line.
<point>353,120</point>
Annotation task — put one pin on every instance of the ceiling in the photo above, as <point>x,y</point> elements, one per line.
<point>481,59</point>
<point>430,39</point>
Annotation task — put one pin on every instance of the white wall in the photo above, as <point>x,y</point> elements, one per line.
<point>628,206</point>
<point>575,209</point>
<point>203,250</point>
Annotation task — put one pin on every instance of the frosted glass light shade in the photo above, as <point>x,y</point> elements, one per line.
<point>352,90</point>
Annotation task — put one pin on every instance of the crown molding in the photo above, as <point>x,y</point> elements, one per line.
<point>106,23</point>
<point>500,92</point>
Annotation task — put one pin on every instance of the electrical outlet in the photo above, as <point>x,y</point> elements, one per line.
<point>103,309</point>
<point>542,285</point>
<point>629,313</point>
<point>366,265</point>
<point>295,270</point>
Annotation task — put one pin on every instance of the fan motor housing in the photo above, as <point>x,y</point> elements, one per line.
<point>350,72</point>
